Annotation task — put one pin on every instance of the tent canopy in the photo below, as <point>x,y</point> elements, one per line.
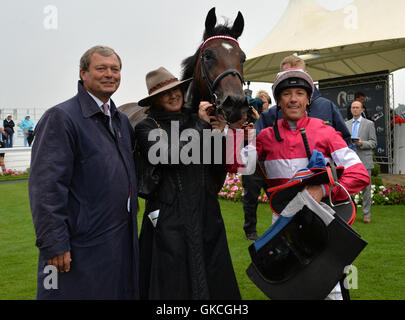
<point>365,36</point>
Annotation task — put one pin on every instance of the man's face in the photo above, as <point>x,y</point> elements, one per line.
<point>103,77</point>
<point>293,103</point>
<point>356,109</point>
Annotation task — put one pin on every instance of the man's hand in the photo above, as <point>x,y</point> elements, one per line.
<point>358,143</point>
<point>61,262</point>
<point>316,192</point>
<point>218,122</point>
<point>249,132</point>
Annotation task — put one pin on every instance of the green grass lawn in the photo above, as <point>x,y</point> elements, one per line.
<point>381,272</point>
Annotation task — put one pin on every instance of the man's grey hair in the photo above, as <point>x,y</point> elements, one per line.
<point>102,50</point>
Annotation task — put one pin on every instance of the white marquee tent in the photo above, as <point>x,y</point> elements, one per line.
<point>365,36</point>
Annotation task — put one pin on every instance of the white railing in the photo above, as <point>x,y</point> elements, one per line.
<point>17,158</point>
<point>15,150</point>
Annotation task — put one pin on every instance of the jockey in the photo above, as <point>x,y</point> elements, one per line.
<point>282,149</point>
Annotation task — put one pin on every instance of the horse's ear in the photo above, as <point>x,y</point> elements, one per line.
<point>238,25</point>
<point>210,21</point>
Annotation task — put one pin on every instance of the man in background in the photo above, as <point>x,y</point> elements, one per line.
<point>364,140</point>
<point>360,97</point>
<point>253,184</point>
<point>2,145</point>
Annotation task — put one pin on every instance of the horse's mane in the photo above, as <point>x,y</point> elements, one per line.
<point>189,63</point>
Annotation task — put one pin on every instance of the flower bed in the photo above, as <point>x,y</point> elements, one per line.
<point>11,174</point>
<point>381,195</point>
<point>233,189</point>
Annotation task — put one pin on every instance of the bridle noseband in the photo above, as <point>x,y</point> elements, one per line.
<point>212,86</point>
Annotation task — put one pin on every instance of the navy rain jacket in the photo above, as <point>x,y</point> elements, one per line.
<point>80,179</point>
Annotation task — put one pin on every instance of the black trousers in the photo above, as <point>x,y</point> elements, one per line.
<point>252,185</point>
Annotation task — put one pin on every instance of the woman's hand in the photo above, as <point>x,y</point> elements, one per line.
<point>204,110</point>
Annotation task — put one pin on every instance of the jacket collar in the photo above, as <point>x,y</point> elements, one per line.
<point>316,94</point>
<point>88,104</point>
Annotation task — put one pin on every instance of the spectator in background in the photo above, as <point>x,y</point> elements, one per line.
<point>320,107</point>
<point>8,125</point>
<point>364,141</point>
<point>253,184</point>
<point>27,126</point>
<point>360,97</point>
<point>2,145</point>
<point>265,97</point>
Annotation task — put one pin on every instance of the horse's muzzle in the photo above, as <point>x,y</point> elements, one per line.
<point>233,107</point>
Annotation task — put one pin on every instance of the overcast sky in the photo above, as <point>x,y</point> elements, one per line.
<point>42,41</point>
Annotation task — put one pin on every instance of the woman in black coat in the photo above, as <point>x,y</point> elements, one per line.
<point>8,125</point>
<point>183,247</point>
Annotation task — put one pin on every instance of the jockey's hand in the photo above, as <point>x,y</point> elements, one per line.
<point>316,192</point>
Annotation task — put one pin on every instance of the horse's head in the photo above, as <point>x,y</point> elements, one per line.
<point>217,69</point>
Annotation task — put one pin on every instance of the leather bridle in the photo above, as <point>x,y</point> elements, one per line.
<point>212,85</point>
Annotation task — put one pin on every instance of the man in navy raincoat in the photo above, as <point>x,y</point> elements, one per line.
<point>82,190</point>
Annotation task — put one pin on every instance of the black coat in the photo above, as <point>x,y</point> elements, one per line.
<point>186,256</point>
<point>8,126</point>
<point>80,179</point>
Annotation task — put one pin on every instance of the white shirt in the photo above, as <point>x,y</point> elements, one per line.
<point>100,103</point>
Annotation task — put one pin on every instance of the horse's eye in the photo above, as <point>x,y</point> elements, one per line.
<point>209,55</point>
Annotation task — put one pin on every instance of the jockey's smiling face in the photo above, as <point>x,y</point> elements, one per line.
<point>293,103</point>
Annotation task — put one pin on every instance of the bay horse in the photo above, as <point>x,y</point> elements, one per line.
<point>217,69</point>
<point>217,72</point>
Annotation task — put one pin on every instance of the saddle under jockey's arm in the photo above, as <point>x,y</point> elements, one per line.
<point>354,177</point>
